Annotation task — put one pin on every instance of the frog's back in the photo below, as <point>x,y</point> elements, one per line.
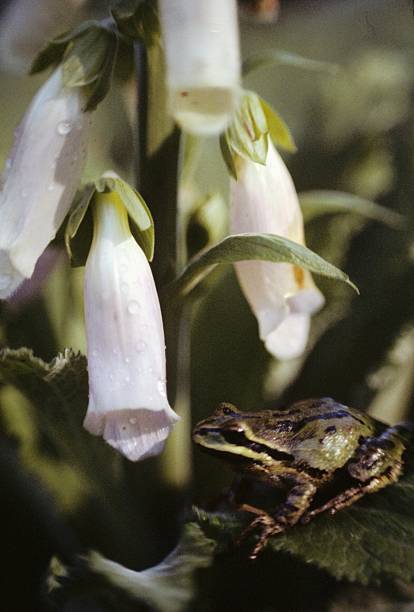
<point>321,433</point>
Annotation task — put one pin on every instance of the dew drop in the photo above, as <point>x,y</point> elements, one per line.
<point>127,379</point>
<point>115,351</point>
<point>133,420</point>
<point>127,360</point>
<point>51,187</point>
<point>64,127</point>
<point>150,370</point>
<point>124,288</point>
<point>140,346</point>
<point>94,353</point>
<point>161,387</point>
<point>5,281</point>
<point>133,307</point>
<point>111,377</point>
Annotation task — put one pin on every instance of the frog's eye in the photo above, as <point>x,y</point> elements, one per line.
<point>226,410</point>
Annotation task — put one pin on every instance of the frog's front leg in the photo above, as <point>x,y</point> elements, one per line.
<point>287,514</point>
<point>376,464</point>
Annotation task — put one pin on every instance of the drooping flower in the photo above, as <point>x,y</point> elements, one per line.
<point>25,25</point>
<point>282,296</point>
<point>203,62</point>
<point>128,402</point>
<point>41,178</point>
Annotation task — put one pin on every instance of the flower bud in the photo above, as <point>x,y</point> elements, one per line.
<point>281,295</point>
<point>128,402</point>
<point>41,178</point>
<point>203,62</point>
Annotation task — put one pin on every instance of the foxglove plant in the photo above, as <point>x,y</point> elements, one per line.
<point>203,62</point>
<point>282,296</point>
<point>41,178</point>
<point>128,402</point>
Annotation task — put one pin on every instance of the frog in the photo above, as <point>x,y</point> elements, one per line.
<point>301,448</point>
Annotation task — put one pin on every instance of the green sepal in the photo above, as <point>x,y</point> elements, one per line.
<point>78,242</point>
<point>142,224</point>
<point>138,20</point>
<point>278,129</point>
<point>87,55</point>
<point>279,57</point>
<point>247,137</point>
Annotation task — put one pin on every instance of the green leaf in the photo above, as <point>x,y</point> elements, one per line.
<point>371,541</point>
<point>248,247</point>
<point>166,587</point>
<point>78,250</point>
<point>279,57</point>
<point>325,202</point>
<point>278,129</point>
<point>138,211</point>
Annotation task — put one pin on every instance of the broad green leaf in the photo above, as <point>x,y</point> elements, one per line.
<point>78,250</point>
<point>371,541</point>
<point>166,587</point>
<point>138,211</point>
<point>248,247</point>
<point>58,392</point>
<point>325,202</point>
<point>278,129</point>
<point>279,57</point>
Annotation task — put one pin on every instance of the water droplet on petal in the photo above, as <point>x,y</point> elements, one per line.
<point>150,370</point>
<point>133,420</point>
<point>161,387</point>
<point>124,288</point>
<point>64,127</point>
<point>127,379</point>
<point>94,353</point>
<point>51,187</point>
<point>127,360</point>
<point>5,280</point>
<point>140,346</point>
<point>133,307</point>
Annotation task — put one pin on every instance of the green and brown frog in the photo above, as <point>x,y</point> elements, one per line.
<point>302,448</point>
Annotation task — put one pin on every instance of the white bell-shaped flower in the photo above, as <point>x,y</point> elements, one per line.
<point>128,402</point>
<point>41,178</point>
<point>201,41</point>
<point>282,296</point>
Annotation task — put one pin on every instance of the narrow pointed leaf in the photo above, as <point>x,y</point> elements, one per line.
<point>325,202</point>
<point>279,57</point>
<point>248,247</point>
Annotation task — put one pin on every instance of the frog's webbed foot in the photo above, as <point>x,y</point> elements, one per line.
<point>377,463</point>
<point>286,516</point>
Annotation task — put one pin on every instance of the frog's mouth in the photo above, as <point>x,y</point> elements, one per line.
<point>236,446</point>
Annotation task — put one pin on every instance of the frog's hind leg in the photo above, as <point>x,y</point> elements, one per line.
<point>377,463</point>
